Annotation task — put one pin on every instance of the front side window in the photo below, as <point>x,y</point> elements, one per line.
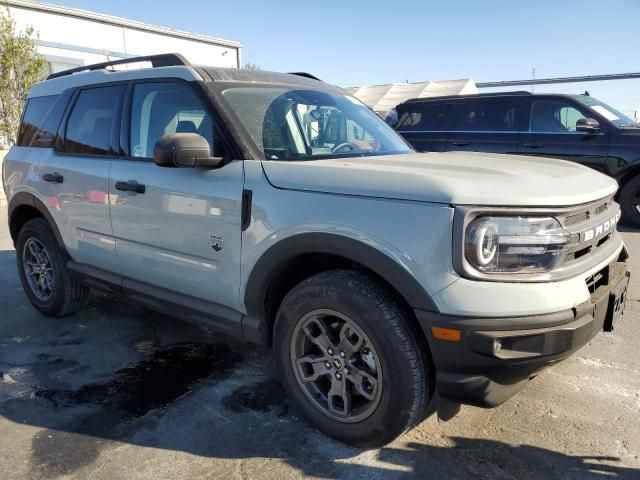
<point>554,117</point>
<point>489,116</point>
<point>92,120</point>
<point>158,109</point>
<point>297,124</point>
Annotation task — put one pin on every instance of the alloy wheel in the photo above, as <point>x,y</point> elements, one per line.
<point>336,366</point>
<point>38,269</point>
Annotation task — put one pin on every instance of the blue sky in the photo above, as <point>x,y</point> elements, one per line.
<point>356,42</point>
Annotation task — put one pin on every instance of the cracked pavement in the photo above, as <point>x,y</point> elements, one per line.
<point>120,392</point>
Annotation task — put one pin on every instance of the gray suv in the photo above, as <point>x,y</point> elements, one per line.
<point>279,209</point>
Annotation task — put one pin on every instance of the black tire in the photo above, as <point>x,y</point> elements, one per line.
<point>630,201</point>
<point>407,374</point>
<point>67,294</point>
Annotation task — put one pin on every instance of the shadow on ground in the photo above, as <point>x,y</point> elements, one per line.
<point>118,374</point>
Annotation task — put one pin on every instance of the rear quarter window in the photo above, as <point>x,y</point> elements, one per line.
<point>40,122</point>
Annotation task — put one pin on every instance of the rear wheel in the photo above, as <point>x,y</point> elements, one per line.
<point>42,266</point>
<point>351,360</point>
<point>630,201</point>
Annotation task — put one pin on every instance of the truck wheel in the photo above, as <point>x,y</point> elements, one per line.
<point>43,272</point>
<point>351,359</point>
<point>630,201</point>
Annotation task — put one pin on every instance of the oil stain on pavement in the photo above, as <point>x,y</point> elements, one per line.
<point>108,409</point>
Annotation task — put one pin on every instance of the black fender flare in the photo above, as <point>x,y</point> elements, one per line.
<point>287,249</point>
<point>28,199</point>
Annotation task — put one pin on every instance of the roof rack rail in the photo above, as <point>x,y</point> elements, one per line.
<point>468,95</point>
<point>162,60</point>
<point>305,75</point>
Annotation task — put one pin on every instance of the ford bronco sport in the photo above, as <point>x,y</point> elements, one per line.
<point>277,208</point>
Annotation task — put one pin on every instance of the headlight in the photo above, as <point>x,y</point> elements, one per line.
<point>495,244</point>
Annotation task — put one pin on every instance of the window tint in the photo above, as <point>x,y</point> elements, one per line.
<point>489,115</point>
<point>161,108</point>
<point>428,116</point>
<point>554,117</point>
<point>32,130</point>
<point>90,125</point>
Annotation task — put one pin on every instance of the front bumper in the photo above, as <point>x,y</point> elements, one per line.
<point>496,356</point>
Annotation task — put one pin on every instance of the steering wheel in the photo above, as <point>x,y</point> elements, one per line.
<point>349,145</point>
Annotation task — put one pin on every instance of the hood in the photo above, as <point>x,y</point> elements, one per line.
<point>458,178</point>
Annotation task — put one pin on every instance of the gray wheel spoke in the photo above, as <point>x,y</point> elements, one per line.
<point>339,397</point>
<point>316,332</point>
<point>350,340</point>
<point>33,250</point>
<point>364,383</point>
<point>312,367</point>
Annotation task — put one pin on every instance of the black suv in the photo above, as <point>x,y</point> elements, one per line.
<point>570,127</point>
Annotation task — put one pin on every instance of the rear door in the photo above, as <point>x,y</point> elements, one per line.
<point>490,125</point>
<point>181,232</point>
<point>552,133</point>
<point>74,175</point>
<point>426,125</point>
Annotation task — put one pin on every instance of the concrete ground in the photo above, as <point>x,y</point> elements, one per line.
<point>119,392</point>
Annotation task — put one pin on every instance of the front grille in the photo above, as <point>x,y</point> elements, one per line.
<point>589,219</point>
<point>587,213</point>
<point>576,219</point>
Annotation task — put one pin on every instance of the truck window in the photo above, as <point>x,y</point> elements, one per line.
<point>424,117</point>
<point>489,116</point>
<point>91,122</point>
<point>161,108</point>
<point>554,117</point>
<point>32,130</point>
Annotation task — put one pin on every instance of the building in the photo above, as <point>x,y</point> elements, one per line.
<point>69,37</point>
<point>384,98</point>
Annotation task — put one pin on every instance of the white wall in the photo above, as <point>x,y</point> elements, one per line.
<point>68,41</point>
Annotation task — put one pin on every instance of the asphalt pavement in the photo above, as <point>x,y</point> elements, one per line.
<point>119,392</point>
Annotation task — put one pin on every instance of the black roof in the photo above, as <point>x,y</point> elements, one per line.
<point>470,95</point>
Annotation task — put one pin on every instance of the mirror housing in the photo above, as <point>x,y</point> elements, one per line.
<point>587,125</point>
<point>184,150</point>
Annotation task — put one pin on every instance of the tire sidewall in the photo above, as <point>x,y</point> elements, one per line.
<point>627,201</point>
<point>393,413</point>
<point>39,230</point>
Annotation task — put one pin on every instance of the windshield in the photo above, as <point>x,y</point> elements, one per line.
<point>616,117</point>
<point>298,124</point>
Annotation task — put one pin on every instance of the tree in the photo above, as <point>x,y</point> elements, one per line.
<point>20,67</point>
<point>251,66</point>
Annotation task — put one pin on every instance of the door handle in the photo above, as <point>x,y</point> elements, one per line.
<point>130,186</point>
<point>532,145</point>
<point>461,144</point>
<point>53,177</point>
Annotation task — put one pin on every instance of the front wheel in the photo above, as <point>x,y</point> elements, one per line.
<point>351,359</point>
<point>630,201</point>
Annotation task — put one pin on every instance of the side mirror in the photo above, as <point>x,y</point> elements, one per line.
<point>587,125</point>
<point>184,150</point>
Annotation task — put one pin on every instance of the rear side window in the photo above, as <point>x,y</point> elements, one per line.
<point>91,123</point>
<point>489,116</point>
<point>33,131</point>
<point>426,116</point>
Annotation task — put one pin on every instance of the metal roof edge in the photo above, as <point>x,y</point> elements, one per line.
<point>118,21</point>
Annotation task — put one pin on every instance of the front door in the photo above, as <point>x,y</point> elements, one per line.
<point>181,231</point>
<point>552,133</point>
